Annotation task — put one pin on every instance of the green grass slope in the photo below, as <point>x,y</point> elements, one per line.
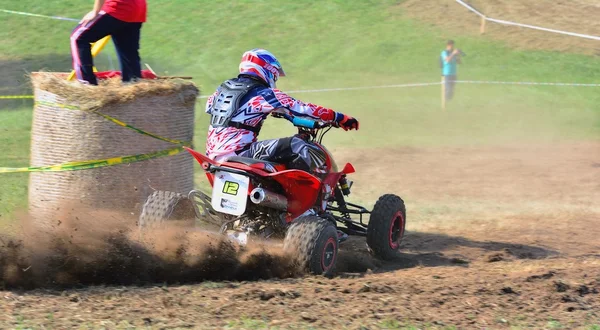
<point>350,43</point>
<point>322,44</point>
<point>14,139</point>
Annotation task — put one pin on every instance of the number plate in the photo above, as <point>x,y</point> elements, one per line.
<point>230,193</point>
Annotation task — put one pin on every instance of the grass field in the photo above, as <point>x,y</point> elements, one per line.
<point>322,45</point>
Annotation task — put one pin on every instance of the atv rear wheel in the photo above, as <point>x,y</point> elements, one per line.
<point>164,206</point>
<point>386,226</point>
<point>314,242</point>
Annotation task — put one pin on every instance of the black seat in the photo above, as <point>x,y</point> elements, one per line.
<point>249,161</point>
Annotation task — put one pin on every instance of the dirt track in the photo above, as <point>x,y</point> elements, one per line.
<point>498,237</point>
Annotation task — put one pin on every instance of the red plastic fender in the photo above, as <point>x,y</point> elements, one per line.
<point>348,168</point>
<point>301,190</point>
<point>205,162</point>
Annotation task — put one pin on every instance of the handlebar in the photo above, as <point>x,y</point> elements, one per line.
<point>304,122</point>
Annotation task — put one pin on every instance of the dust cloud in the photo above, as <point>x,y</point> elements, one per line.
<point>91,247</point>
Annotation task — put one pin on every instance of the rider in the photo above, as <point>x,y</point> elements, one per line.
<point>240,105</point>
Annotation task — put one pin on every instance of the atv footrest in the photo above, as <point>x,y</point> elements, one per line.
<point>342,236</point>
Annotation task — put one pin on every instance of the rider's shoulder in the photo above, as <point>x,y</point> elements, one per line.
<point>271,93</point>
<point>278,92</point>
<point>231,80</point>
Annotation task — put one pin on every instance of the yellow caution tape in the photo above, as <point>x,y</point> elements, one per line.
<point>5,97</point>
<point>62,106</point>
<point>116,121</point>
<point>83,165</point>
<point>120,123</point>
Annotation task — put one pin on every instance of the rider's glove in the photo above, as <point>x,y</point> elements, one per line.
<point>346,122</point>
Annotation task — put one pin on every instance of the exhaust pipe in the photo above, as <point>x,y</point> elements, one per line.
<point>262,197</point>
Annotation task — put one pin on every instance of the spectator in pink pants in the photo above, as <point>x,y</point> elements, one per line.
<point>122,20</point>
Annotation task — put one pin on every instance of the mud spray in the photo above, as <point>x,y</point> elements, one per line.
<point>102,247</point>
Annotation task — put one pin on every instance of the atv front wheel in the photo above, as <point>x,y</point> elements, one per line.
<point>164,206</point>
<point>386,226</point>
<point>314,242</point>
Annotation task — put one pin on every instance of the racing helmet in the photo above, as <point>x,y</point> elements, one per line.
<point>261,63</point>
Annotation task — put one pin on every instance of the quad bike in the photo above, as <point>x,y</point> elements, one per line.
<point>256,198</point>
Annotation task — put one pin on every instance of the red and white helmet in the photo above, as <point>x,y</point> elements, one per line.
<point>261,63</point>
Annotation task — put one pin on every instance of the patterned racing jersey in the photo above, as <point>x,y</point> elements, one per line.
<point>254,108</point>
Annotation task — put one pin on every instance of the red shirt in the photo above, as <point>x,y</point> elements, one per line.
<point>132,11</point>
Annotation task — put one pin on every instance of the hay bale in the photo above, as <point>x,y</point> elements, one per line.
<point>60,135</point>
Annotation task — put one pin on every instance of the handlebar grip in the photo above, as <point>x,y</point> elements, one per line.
<point>308,123</point>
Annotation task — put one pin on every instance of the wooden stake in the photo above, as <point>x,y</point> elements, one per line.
<point>166,77</point>
<point>482,28</point>
<point>443,93</point>
<point>149,68</point>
